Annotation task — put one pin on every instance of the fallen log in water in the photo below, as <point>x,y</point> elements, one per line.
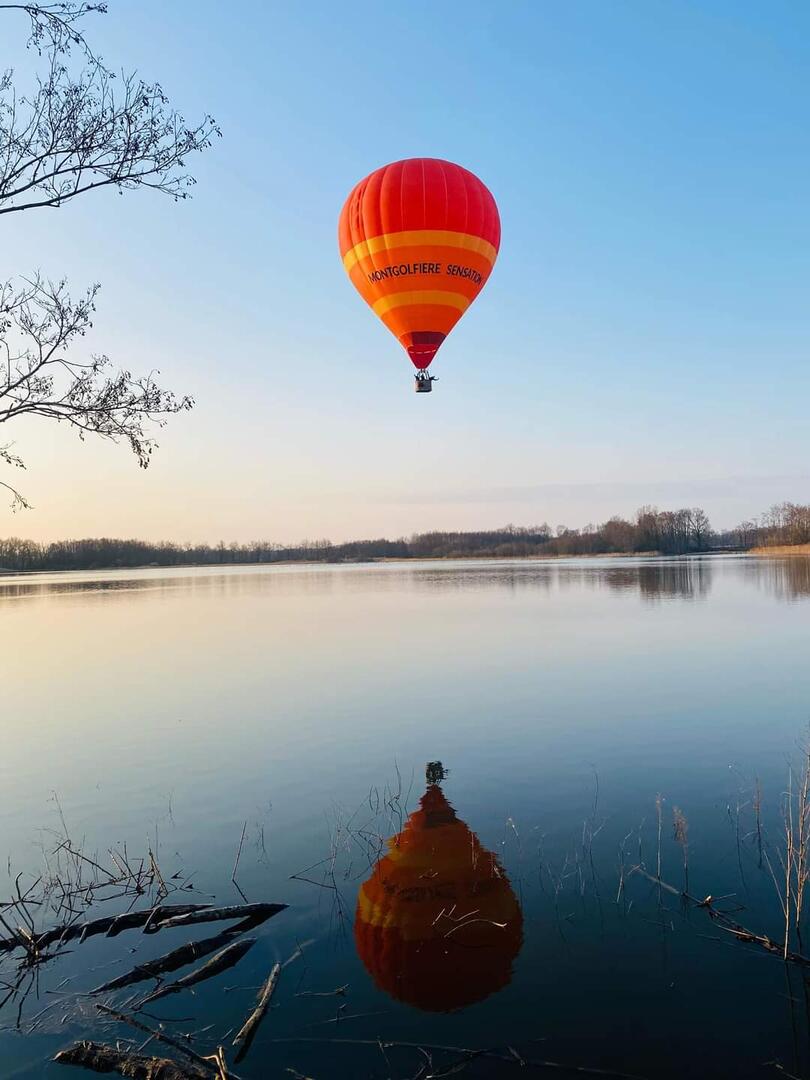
<point>111,925</point>
<point>131,920</point>
<point>177,958</point>
<point>223,960</point>
<point>162,917</point>
<point>106,1059</point>
<point>199,1062</point>
<point>245,1035</point>
<point>261,912</point>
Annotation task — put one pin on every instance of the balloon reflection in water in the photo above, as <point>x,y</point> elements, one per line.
<point>438,924</point>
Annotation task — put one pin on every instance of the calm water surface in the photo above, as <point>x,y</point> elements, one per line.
<point>172,708</point>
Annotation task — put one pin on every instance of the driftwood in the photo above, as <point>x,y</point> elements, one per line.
<point>723,921</point>
<point>246,1033</point>
<point>260,912</point>
<point>109,925</point>
<point>161,917</point>
<point>177,958</point>
<point>106,1059</point>
<point>200,1062</point>
<point>223,960</point>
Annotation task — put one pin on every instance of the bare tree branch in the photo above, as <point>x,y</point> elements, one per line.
<point>81,128</point>
<point>54,23</point>
<point>18,501</point>
<point>39,323</point>
<point>76,132</point>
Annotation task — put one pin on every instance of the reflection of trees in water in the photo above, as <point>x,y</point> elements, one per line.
<point>787,579</point>
<point>687,578</point>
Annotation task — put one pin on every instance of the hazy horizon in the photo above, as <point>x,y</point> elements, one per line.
<point>566,497</point>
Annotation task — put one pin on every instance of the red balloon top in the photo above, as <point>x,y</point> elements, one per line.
<point>419,193</point>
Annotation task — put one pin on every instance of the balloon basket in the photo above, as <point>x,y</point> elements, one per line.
<point>423,383</point>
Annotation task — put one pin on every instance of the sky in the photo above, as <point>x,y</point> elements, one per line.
<point>644,337</point>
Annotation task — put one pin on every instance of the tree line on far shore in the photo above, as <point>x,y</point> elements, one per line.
<point>785,524</point>
<point>669,532</point>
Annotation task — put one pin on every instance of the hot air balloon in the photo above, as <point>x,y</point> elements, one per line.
<point>437,923</point>
<point>418,239</point>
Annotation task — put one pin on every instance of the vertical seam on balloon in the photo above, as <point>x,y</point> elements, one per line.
<point>384,221</point>
<point>361,228</point>
<point>350,210</point>
<point>466,204</point>
<point>373,254</point>
<point>402,197</point>
<point>360,191</point>
<point>446,197</point>
<point>424,195</point>
<point>481,203</point>
<point>385,252</point>
<point>356,222</point>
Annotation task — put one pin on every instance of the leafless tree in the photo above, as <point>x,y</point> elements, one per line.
<point>746,533</point>
<point>39,324</point>
<point>79,128</point>
<point>701,528</point>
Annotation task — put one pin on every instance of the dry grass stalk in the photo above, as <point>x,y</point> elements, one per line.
<point>795,864</point>
<point>681,836</point>
<point>659,805</point>
<point>74,881</point>
<point>757,802</point>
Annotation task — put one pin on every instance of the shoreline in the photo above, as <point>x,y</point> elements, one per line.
<point>481,557</point>
<point>782,549</point>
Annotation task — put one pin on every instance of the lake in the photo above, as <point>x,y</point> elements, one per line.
<point>282,718</point>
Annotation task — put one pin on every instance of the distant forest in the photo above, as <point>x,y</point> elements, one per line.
<point>668,532</point>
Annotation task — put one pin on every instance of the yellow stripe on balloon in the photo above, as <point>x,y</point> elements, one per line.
<point>372,914</point>
<point>422,296</point>
<point>418,237</point>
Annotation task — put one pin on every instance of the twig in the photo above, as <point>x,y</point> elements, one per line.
<point>339,991</point>
<point>235,864</point>
<point>244,1037</point>
<point>495,1054</point>
<point>725,922</point>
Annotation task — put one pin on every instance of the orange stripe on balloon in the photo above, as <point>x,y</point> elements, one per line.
<point>418,237</point>
<point>433,297</point>
<point>370,288</point>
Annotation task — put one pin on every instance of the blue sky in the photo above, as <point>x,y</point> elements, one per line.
<point>643,338</point>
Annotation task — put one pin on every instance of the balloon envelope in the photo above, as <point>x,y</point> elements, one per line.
<point>418,239</point>
<point>437,924</point>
